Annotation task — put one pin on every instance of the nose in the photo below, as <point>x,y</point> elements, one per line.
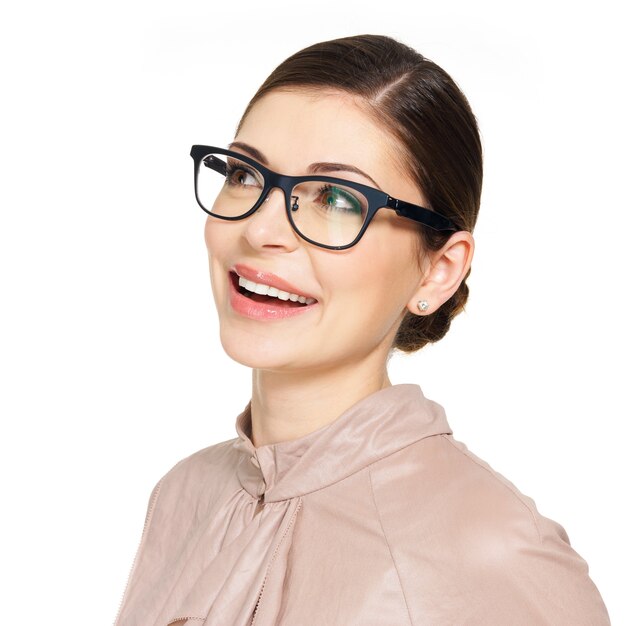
<point>269,226</point>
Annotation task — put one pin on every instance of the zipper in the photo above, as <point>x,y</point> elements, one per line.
<point>269,567</point>
<point>153,500</point>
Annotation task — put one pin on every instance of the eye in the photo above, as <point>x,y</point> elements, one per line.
<point>340,199</point>
<point>241,176</point>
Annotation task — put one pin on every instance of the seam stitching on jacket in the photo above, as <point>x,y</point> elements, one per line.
<point>380,521</point>
<point>268,569</point>
<point>493,472</point>
<point>156,492</point>
<point>142,541</point>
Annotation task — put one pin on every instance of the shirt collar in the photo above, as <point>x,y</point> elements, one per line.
<point>376,426</point>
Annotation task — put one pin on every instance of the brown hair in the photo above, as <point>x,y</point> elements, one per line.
<point>429,116</point>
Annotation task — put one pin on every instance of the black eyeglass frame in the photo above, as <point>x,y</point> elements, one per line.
<point>376,199</point>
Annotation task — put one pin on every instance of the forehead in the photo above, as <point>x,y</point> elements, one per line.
<point>294,129</point>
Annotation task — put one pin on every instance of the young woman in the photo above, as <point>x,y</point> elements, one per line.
<point>338,231</point>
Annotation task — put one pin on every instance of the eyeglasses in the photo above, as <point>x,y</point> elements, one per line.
<point>328,212</point>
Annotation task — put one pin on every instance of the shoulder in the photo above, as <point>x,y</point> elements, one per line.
<point>215,458</point>
<point>441,477</point>
<point>464,537</point>
<point>491,506</point>
<point>197,480</point>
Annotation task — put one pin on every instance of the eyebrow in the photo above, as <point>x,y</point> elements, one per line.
<point>314,168</point>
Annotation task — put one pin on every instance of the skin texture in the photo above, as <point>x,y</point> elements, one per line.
<point>308,369</point>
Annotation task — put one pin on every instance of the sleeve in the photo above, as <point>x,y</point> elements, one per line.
<point>516,566</point>
<point>528,574</point>
<point>172,509</point>
<point>471,549</point>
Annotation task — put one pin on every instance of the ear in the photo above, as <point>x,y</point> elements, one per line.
<point>445,272</point>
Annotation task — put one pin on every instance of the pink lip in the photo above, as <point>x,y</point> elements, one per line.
<point>267,278</point>
<point>262,310</point>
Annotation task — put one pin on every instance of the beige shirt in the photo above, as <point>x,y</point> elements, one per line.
<point>380,518</point>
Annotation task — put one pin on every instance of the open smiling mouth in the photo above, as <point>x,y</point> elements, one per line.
<point>266,299</point>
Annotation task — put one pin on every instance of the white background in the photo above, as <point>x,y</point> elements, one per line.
<point>111,367</point>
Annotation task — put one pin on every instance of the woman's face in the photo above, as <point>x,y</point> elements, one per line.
<point>361,292</point>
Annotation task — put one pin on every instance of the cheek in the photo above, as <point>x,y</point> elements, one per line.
<point>219,250</point>
<point>363,285</point>
<point>219,236</point>
<point>210,231</point>
<point>371,286</point>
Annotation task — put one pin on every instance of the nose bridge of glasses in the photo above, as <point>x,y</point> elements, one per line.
<point>274,192</point>
<point>270,218</point>
<point>281,193</point>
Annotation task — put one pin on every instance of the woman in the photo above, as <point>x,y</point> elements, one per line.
<point>339,231</point>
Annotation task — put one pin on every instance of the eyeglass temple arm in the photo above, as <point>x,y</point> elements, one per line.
<point>215,164</point>
<point>421,214</point>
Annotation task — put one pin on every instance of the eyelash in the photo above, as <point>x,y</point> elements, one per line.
<point>347,197</point>
<point>231,168</point>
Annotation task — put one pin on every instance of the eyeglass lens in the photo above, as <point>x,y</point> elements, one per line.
<point>326,213</point>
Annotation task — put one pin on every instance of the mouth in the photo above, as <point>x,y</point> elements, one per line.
<point>265,299</point>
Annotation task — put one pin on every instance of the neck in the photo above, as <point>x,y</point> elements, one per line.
<point>289,405</point>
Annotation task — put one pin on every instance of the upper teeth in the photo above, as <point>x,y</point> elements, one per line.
<point>266,290</point>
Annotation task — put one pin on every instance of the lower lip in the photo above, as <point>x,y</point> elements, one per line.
<point>263,310</point>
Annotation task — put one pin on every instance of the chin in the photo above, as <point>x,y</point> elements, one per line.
<point>254,352</point>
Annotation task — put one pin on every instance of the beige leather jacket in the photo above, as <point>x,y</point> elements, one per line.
<point>380,518</point>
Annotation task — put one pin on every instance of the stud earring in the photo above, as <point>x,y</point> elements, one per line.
<point>422,305</point>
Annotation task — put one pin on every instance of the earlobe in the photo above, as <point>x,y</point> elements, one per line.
<point>420,307</point>
<point>448,268</point>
